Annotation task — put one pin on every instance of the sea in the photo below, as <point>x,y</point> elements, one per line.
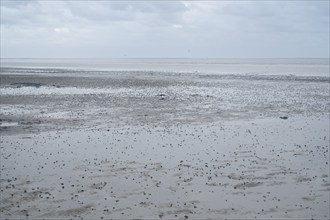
<point>314,67</point>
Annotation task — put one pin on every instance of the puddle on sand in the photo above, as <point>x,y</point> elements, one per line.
<point>8,124</point>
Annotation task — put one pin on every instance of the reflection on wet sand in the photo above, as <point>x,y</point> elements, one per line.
<point>164,148</point>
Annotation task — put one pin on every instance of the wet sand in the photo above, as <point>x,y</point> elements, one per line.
<point>152,146</point>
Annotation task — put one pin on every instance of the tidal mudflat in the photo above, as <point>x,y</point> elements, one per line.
<point>152,145</point>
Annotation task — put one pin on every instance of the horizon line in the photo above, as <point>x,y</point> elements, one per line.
<point>164,58</point>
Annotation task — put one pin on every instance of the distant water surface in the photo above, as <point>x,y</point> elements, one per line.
<point>294,66</point>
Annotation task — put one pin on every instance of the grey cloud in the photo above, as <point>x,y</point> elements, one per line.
<point>280,16</point>
<point>171,28</point>
<point>15,4</point>
<point>35,14</point>
<point>144,12</point>
<point>38,13</point>
<point>17,12</point>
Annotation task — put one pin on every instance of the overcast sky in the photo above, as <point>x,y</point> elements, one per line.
<point>156,29</point>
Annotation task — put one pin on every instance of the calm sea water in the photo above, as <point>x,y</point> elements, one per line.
<point>298,67</point>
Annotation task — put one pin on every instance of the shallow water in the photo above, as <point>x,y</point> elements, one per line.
<point>295,66</point>
<point>156,144</point>
<point>268,168</point>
